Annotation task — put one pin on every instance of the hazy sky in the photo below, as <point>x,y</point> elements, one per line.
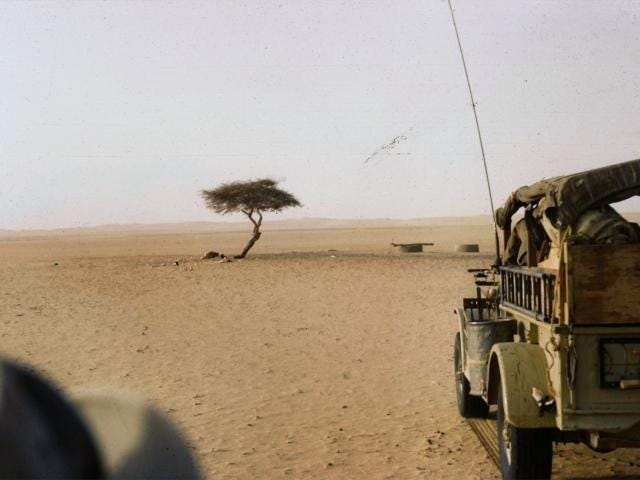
<point>120,112</point>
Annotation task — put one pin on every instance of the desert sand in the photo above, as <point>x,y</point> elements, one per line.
<point>323,355</point>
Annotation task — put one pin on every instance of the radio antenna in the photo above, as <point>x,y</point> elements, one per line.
<point>475,115</point>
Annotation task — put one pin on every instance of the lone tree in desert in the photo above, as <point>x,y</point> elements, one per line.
<point>253,198</point>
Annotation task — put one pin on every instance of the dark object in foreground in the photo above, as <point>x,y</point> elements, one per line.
<point>253,198</point>
<point>41,434</point>
<point>45,435</point>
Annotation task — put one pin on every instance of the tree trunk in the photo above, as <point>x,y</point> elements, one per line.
<point>256,231</point>
<point>250,244</point>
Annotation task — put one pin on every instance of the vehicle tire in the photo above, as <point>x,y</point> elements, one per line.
<point>469,406</point>
<point>524,452</point>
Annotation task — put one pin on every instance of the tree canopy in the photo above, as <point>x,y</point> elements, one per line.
<point>262,195</point>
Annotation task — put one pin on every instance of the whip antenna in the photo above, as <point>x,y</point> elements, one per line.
<point>475,115</point>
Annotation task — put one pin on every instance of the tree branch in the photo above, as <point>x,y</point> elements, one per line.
<point>249,213</point>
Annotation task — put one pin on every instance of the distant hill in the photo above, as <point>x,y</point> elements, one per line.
<point>292,224</point>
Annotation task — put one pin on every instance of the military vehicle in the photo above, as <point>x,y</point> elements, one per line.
<point>549,345</point>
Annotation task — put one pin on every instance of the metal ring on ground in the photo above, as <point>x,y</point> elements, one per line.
<point>410,248</point>
<point>468,247</point>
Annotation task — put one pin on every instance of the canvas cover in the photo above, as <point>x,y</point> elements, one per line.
<point>567,197</point>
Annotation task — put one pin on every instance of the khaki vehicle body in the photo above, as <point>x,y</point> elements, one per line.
<point>558,340</point>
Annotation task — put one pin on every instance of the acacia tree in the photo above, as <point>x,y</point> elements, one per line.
<point>253,198</point>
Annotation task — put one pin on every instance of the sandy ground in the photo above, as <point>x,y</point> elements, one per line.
<point>300,362</point>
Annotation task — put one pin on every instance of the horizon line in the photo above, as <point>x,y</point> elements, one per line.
<point>103,226</point>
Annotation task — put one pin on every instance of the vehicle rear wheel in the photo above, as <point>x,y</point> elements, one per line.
<point>524,452</point>
<point>469,406</point>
